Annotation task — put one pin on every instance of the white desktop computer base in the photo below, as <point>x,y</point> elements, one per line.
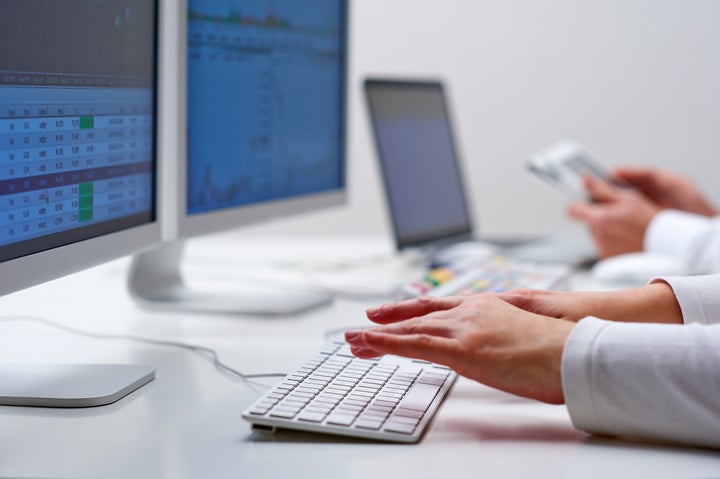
<point>69,385</point>
<point>155,281</point>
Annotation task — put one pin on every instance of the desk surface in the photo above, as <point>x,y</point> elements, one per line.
<point>187,423</point>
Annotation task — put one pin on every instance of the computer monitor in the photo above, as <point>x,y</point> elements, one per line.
<point>78,163</point>
<point>262,135</point>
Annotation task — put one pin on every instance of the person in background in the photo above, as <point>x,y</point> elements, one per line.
<point>663,213</point>
<point>649,369</point>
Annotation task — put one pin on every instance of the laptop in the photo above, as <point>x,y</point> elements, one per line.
<point>423,177</point>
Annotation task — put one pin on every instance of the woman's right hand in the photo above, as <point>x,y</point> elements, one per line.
<point>668,189</point>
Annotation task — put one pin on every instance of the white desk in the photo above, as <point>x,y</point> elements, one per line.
<point>186,423</point>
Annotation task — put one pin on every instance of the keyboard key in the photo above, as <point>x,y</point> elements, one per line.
<point>311,416</point>
<point>368,424</point>
<point>340,419</point>
<point>403,420</point>
<point>399,427</point>
<point>408,412</point>
<point>419,397</point>
<point>286,413</point>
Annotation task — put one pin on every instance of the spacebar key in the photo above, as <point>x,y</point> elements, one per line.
<point>419,397</point>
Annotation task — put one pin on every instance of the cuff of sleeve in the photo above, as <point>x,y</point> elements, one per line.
<point>671,232</point>
<point>696,296</point>
<point>576,372</point>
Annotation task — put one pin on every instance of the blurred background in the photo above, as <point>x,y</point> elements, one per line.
<point>636,81</point>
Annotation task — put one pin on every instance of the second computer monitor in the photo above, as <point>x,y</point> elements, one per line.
<point>265,110</point>
<point>262,109</point>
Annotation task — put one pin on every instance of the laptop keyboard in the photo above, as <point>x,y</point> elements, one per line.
<point>494,274</point>
<point>389,398</point>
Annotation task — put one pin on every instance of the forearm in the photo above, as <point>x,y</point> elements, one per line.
<point>652,303</point>
<point>655,303</point>
<point>656,382</point>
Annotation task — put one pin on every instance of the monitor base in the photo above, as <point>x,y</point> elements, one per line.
<point>69,385</point>
<point>155,281</point>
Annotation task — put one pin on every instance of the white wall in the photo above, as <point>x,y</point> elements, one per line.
<point>637,81</point>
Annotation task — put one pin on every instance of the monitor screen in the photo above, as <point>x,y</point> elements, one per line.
<point>418,159</point>
<point>266,101</point>
<point>77,121</point>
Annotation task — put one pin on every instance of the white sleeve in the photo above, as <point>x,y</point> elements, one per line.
<point>695,239</point>
<point>698,297</point>
<point>640,380</point>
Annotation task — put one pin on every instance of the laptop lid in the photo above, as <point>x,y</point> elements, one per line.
<point>419,162</point>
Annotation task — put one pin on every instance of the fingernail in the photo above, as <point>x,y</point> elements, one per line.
<point>353,335</point>
<point>365,353</point>
<point>372,311</point>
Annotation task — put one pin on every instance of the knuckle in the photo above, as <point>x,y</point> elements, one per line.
<point>425,301</point>
<point>413,326</point>
<point>425,341</point>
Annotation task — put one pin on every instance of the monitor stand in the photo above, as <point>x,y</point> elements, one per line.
<point>69,385</point>
<point>155,281</point>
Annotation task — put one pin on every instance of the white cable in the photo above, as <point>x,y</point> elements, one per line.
<point>203,351</point>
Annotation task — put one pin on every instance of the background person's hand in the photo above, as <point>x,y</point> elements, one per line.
<point>667,189</point>
<point>617,217</point>
<point>480,336</point>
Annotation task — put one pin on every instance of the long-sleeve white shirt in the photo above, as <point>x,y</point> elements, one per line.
<point>650,381</point>
<point>692,238</point>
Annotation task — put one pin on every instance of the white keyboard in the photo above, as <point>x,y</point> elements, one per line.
<point>389,399</point>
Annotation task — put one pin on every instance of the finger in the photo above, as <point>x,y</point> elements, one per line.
<point>433,326</point>
<point>417,346</point>
<point>520,298</point>
<point>357,344</point>
<point>393,312</point>
<point>600,190</point>
<point>364,352</point>
<point>635,176</point>
<point>582,211</point>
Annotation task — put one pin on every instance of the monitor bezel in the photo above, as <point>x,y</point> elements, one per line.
<point>183,225</point>
<point>36,268</point>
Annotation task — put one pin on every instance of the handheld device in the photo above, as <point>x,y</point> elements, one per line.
<point>565,164</point>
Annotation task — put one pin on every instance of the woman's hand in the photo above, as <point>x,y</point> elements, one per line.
<point>617,217</point>
<point>668,189</point>
<point>480,336</point>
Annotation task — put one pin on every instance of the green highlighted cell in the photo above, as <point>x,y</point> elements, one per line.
<point>87,122</point>
<point>85,215</point>
<point>86,188</point>
<point>86,201</point>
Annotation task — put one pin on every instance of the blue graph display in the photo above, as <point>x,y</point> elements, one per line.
<point>265,100</point>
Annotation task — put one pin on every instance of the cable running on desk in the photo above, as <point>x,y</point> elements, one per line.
<point>204,351</point>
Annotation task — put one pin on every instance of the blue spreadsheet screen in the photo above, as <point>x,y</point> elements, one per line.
<point>265,100</point>
<point>77,121</point>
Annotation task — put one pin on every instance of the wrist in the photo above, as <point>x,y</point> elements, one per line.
<point>655,303</point>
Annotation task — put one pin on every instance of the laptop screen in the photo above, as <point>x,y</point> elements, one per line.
<point>418,159</point>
